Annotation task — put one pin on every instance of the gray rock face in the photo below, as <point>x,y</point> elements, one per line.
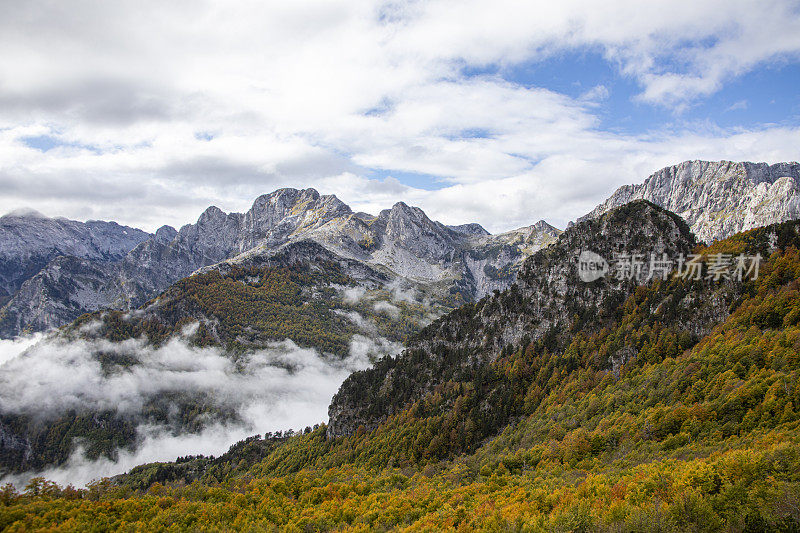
<point>30,240</point>
<point>494,260</point>
<point>469,229</point>
<point>59,293</point>
<point>402,242</point>
<point>718,199</point>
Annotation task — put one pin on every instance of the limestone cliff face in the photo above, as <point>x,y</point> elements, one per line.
<point>718,199</point>
<point>58,294</point>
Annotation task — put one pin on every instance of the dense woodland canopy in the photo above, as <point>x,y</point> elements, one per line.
<point>689,434</point>
<point>249,306</point>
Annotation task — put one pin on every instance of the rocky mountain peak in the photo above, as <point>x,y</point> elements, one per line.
<point>165,234</point>
<point>542,225</point>
<point>469,229</point>
<point>535,235</point>
<point>24,212</point>
<point>211,215</point>
<point>269,209</point>
<point>402,218</point>
<point>401,210</point>
<point>718,198</point>
<point>290,199</point>
<point>285,196</point>
<point>410,228</point>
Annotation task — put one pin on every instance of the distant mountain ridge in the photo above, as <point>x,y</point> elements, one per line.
<point>61,269</point>
<point>30,240</point>
<point>718,199</point>
<point>298,267</point>
<point>402,242</point>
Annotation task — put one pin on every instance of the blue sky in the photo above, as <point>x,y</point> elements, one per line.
<point>769,94</point>
<point>505,114</point>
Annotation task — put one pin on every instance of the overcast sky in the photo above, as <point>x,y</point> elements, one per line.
<point>497,112</point>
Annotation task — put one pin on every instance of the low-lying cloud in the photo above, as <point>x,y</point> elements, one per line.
<point>352,295</point>
<point>11,348</point>
<point>279,387</point>
<point>58,375</point>
<point>392,311</point>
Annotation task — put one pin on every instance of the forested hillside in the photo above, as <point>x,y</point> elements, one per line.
<point>234,315</point>
<point>666,405</point>
<point>297,292</point>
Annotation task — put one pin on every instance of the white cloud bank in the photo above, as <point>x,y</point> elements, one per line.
<point>278,388</point>
<point>162,109</point>
<point>11,348</point>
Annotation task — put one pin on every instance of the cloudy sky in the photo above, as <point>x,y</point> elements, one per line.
<point>497,112</point>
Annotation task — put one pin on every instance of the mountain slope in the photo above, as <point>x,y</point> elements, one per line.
<point>718,199</point>
<point>299,291</point>
<point>242,322</point>
<point>548,300</point>
<point>30,240</point>
<point>297,268</point>
<point>695,428</point>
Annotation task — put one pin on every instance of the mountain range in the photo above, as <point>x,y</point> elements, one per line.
<point>30,240</point>
<point>303,266</point>
<point>464,262</point>
<point>54,270</point>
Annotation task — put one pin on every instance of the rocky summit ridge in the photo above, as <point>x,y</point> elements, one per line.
<point>29,240</point>
<point>402,242</point>
<point>718,198</point>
